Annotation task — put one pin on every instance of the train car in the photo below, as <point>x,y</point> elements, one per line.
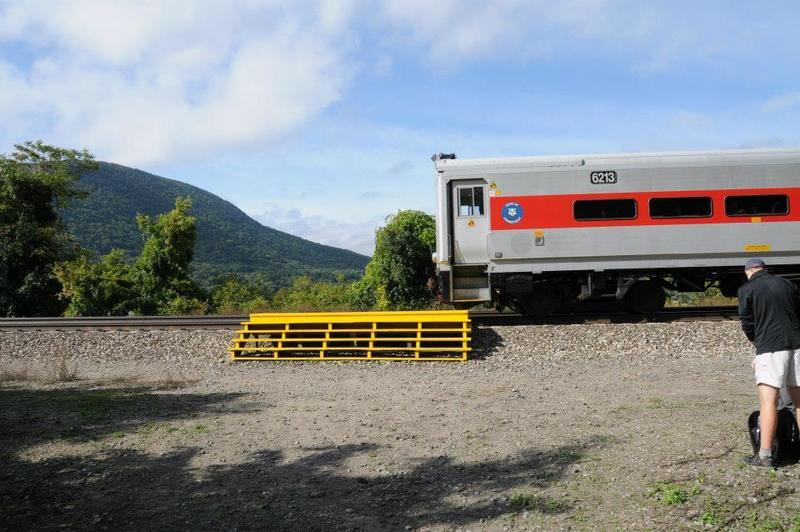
<point>538,234</point>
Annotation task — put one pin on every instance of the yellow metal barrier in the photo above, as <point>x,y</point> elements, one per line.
<point>426,335</point>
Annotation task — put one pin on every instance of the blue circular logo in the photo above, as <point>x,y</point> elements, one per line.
<point>512,212</point>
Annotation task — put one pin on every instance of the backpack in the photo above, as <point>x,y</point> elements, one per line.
<point>787,437</point>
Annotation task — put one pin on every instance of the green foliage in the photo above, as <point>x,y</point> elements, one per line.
<point>710,298</point>
<point>161,273</point>
<point>669,494</point>
<point>711,517</point>
<point>228,241</point>
<point>521,501</point>
<point>306,295</point>
<point>233,294</point>
<point>157,282</point>
<point>755,522</point>
<point>98,288</point>
<point>396,276</point>
<point>35,181</point>
<point>546,505</point>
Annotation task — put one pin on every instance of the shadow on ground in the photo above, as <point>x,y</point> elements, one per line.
<point>485,343</point>
<point>126,489</point>
<point>31,416</point>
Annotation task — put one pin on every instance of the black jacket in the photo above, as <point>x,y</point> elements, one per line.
<point>769,307</point>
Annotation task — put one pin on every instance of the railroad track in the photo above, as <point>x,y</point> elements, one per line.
<point>126,322</point>
<point>479,318</point>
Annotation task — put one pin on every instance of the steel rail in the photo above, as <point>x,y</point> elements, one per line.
<point>126,322</point>
<point>479,318</point>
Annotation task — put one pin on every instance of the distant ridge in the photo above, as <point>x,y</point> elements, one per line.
<point>228,241</point>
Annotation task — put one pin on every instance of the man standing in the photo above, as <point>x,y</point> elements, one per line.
<point>769,307</point>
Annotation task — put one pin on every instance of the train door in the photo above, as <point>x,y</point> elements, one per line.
<point>470,222</point>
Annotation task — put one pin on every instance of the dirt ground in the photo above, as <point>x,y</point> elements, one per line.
<point>584,445</point>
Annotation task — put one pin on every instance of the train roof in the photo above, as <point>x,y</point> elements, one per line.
<point>621,160</point>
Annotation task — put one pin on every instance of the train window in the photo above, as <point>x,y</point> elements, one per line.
<point>470,201</point>
<point>698,207</point>
<point>762,205</point>
<point>613,209</point>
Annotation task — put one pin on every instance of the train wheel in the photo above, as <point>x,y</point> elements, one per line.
<point>646,298</point>
<point>540,302</point>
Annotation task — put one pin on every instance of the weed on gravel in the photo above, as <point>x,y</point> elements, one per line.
<point>668,493</point>
<point>545,505</point>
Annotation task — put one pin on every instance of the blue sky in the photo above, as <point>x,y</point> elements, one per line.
<point>319,118</point>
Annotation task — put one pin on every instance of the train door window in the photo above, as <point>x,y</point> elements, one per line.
<point>761,205</point>
<point>697,207</point>
<point>470,201</point>
<point>612,209</point>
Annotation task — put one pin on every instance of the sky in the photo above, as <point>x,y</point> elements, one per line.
<point>319,117</point>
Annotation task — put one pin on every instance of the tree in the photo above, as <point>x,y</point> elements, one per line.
<point>232,294</point>
<point>396,276</point>
<point>305,295</point>
<point>35,181</point>
<point>161,273</point>
<point>103,288</point>
<point>157,282</point>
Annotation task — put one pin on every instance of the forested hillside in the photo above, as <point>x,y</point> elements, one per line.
<point>228,241</point>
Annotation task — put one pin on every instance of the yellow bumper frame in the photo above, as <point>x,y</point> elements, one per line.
<point>439,335</point>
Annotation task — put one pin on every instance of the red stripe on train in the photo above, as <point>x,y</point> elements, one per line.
<point>555,211</point>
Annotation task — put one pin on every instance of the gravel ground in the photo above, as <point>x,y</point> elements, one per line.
<point>547,427</point>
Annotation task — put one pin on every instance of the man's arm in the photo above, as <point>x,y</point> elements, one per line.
<point>746,314</point>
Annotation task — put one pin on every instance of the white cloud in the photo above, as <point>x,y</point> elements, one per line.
<point>355,236</point>
<point>657,35</point>
<point>782,102</point>
<point>147,82</point>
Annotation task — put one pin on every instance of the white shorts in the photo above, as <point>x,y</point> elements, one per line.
<point>778,369</point>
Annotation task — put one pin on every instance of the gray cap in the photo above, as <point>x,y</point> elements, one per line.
<point>754,263</point>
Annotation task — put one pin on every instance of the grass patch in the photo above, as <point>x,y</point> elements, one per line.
<point>521,501</point>
<point>755,522</point>
<point>580,517</point>
<point>655,403</point>
<point>670,494</point>
<point>711,517</point>
<point>527,501</point>
<point>170,382</point>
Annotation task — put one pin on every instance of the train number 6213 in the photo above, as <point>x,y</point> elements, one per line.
<point>606,177</point>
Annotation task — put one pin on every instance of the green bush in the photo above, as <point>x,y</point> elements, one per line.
<point>397,274</point>
<point>306,295</point>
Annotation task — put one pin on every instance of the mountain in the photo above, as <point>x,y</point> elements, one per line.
<point>228,241</point>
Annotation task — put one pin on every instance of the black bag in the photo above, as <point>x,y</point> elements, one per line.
<point>788,435</point>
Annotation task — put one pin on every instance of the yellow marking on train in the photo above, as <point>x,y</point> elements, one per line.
<point>471,223</point>
<point>755,219</point>
<point>758,247</point>
<point>538,234</point>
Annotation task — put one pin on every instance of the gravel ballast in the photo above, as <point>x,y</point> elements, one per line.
<point>503,347</point>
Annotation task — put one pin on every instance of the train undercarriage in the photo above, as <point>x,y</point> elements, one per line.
<point>639,292</point>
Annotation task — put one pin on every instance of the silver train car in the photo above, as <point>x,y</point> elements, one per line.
<point>538,234</point>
